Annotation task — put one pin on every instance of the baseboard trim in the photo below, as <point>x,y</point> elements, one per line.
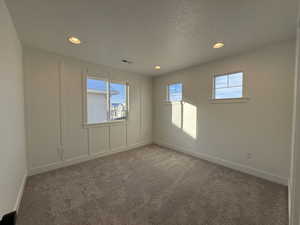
<point>18,200</point>
<point>235,166</point>
<point>80,159</point>
<point>291,202</point>
<point>20,193</point>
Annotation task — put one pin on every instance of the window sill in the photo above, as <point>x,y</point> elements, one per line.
<point>173,103</point>
<point>229,100</point>
<point>104,124</point>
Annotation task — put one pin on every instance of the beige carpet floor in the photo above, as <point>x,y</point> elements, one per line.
<point>151,185</point>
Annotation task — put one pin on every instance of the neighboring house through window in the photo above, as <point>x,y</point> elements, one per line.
<point>105,100</point>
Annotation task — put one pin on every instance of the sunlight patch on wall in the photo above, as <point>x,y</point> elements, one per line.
<point>189,123</point>
<point>184,117</point>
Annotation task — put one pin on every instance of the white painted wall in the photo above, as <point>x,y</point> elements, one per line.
<point>294,190</point>
<point>12,131</point>
<point>55,116</point>
<point>227,133</point>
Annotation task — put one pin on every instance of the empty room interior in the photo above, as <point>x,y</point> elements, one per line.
<point>140,112</point>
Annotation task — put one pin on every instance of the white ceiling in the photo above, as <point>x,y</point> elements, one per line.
<point>172,33</point>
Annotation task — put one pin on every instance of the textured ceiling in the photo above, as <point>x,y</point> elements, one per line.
<point>172,33</point>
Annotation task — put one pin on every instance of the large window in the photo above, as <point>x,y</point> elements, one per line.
<point>106,100</point>
<point>228,86</point>
<point>174,92</point>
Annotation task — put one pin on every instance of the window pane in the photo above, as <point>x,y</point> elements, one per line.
<point>236,79</point>
<point>175,92</point>
<point>234,92</point>
<point>97,109</point>
<point>118,109</point>
<point>221,81</point>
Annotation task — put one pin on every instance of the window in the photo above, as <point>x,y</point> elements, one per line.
<point>105,100</point>
<point>117,101</point>
<point>228,86</point>
<point>174,92</point>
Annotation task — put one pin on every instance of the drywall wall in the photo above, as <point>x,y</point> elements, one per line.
<point>294,188</point>
<point>12,131</point>
<point>55,112</point>
<point>253,136</point>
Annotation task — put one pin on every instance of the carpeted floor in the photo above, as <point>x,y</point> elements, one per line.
<point>151,185</point>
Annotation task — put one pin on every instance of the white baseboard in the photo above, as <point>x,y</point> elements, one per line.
<point>291,202</point>
<point>19,197</point>
<point>84,158</point>
<point>236,166</point>
<point>20,193</point>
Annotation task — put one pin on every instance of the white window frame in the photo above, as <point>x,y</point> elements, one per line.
<point>168,96</point>
<point>108,82</point>
<point>244,97</point>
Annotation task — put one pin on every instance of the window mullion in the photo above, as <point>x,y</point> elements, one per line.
<point>108,99</point>
<point>227,81</point>
<point>127,99</point>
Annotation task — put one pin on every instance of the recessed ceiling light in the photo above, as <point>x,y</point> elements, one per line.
<point>218,45</point>
<point>74,40</point>
<point>157,67</point>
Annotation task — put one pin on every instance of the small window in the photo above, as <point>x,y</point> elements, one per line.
<point>228,86</point>
<point>105,100</point>
<point>174,92</point>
